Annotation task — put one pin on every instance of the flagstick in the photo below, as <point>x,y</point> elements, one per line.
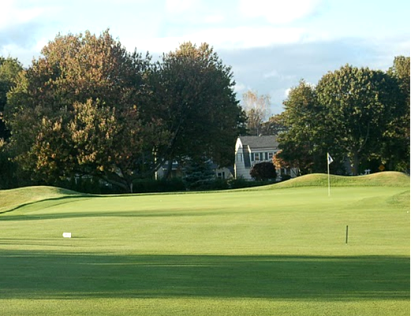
<point>329,184</point>
<point>328,171</point>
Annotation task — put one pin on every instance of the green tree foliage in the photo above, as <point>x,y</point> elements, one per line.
<point>195,100</point>
<point>353,113</point>
<point>263,171</point>
<point>401,71</point>
<point>358,104</point>
<point>114,145</point>
<point>7,168</point>
<point>397,136</point>
<point>76,110</point>
<point>9,70</point>
<point>88,107</point>
<point>300,143</point>
<point>280,163</point>
<point>199,174</point>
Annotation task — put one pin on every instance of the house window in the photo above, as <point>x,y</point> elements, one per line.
<point>221,175</point>
<point>252,156</point>
<point>266,156</point>
<point>270,155</point>
<point>257,156</point>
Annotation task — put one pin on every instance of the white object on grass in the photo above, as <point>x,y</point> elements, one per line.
<point>67,235</point>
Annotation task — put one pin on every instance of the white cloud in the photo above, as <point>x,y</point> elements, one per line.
<point>214,19</point>
<point>25,55</point>
<point>223,38</point>
<point>248,37</point>
<point>240,88</point>
<point>287,92</point>
<point>41,43</point>
<point>15,13</point>
<point>193,13</point>
<point>278,12</point>
<point>180,6</point>
<point>272,74</point>
<point>277,75</point>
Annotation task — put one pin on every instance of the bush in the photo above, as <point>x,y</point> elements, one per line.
<point>11,175</point>
<point>163,185</point>
<point>263,171</point>
<point>243,183</point>
<point>84,184</point>
<point>8,171</point>
<point>208,185</point>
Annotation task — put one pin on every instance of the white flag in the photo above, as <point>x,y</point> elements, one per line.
<point>329,159</point>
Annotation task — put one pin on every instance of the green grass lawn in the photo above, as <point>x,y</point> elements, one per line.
<point>274,250</point>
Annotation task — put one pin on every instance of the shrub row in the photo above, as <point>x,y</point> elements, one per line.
<point>94,186</point>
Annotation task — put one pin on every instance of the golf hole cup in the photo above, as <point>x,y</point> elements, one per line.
<point>67,235</point>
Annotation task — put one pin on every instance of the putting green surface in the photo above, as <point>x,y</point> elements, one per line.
<point>267,251</point>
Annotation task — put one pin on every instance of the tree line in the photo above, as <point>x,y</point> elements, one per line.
<point>359,115</point>
<point>88,107</point>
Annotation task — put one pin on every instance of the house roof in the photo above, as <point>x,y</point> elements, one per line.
<point>259,142</point>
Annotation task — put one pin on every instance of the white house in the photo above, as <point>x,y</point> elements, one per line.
<point>250,150</point>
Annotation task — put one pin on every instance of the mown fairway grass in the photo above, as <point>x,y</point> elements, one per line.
<point>276,250</point>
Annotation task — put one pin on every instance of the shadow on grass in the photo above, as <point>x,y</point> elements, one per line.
<point>131,214</point>
<point>62,200</point>
<point>5,216</point>
<point>44,275</point>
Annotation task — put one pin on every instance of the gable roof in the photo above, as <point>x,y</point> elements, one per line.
<point>259,142</point>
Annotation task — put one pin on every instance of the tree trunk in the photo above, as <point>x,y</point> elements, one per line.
<point>131,186</point>
<point>117,181</point>
<point>355,163</point>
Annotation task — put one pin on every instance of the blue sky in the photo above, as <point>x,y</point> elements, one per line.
<point>269,44</point>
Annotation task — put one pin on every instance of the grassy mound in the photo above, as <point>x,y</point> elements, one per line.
<point>390,179</point>
<point>10,199</point>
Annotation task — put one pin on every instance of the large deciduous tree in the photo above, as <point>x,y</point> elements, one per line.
<point>77,110</point>
<point>300,143</point>
<point>353,113</point>
<point>9,70</point>
<point>358,104</point>
<point>196,102</point>
<point>397,137</point>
